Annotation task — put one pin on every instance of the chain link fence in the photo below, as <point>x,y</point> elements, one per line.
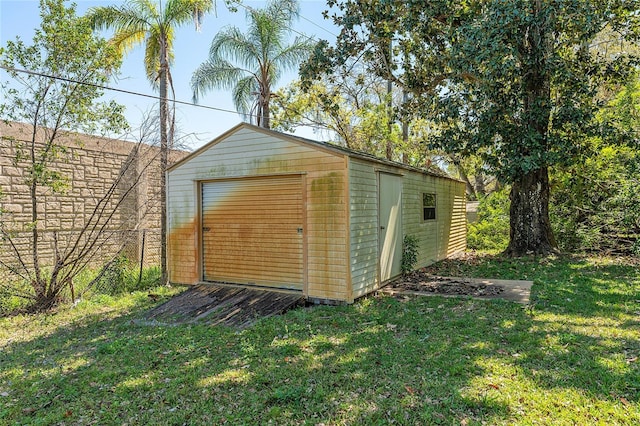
<point>78,263</point>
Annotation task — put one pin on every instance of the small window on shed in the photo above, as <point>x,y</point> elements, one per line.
<point>428,206</point>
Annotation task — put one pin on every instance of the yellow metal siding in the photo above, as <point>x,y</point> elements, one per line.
<point>363,208</point>
<point>438,239</point>
<point>339,203</point>
<point>250,231</point>
<point>444,236</point>
<point>248,152</point>
<point>182,224</point>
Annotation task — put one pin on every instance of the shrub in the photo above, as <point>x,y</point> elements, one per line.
<point>491,231</point>
<point>594,205</point>
<point>409,253</point>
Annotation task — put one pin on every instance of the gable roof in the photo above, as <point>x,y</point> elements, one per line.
<point>325,146</point>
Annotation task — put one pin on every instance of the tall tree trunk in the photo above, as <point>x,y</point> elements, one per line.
<point>470,189</point>
<point>480,186</point>
<point>405,129</point>
<point>266,113</point>
<point>164,148</point>
<point>389,147</point>
<point>37,281</point>
<point>530,229</point>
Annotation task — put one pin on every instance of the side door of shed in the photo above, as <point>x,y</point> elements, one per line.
<point>390,221</point>
<point>252,231</point>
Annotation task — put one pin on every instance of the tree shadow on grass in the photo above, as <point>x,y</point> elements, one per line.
<point>584,334</point>
<point>412,360</point>
<point>369,364</point>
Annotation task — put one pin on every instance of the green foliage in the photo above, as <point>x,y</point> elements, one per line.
<point>516,82</point>
<point>123,276</point>
<point>151,24</point>
<point>356,111</point>
<point>491,231</point>
<point>60,93</point>
<point>65,46</point>
<point>409,253</point>
<point>250,63</point>
<point>10,301</point>
<point>596,205</point>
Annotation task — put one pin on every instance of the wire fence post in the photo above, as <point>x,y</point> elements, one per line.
<point>144,232</point>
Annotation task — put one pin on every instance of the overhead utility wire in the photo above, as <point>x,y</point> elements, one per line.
<point>251,9</point>
<point>99,86</point>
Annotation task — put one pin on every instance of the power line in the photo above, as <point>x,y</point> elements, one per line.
<point>251,9</point>
<point>129,92</point>
<point>317,25</point>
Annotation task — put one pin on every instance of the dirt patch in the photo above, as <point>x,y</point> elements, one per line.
<point>421,282</point>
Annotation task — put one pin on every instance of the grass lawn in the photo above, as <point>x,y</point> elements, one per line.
<point>571,358</point>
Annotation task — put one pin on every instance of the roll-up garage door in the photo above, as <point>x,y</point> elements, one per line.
<point>252,231</point>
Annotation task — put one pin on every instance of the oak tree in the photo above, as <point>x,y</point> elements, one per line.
<point>514,81</point>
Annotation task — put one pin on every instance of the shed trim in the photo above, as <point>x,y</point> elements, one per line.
<point>234,177</point>
<point>295,139</point>
<point>389,172</point>
<point>324,146</point>
<point>347,207</point>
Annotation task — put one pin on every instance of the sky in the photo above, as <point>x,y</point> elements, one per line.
<point>21,18</point>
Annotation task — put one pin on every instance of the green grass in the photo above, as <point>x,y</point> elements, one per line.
<point>122,277</point>
<point>570,358</point>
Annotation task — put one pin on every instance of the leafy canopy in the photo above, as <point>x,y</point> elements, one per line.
<point>251,63</point>
<point>56,85</point>
<point>516,80</point>
<point>148,23</point>
<point>66,65</point>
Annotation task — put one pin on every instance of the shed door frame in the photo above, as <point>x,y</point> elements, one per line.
<point>303,188</point>
<point>389,208</point>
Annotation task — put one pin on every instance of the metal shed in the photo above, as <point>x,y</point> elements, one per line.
<point>260,208</point>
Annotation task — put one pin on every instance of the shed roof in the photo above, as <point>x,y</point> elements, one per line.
<point>326,146</point>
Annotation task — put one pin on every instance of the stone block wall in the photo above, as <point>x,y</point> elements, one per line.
<point>90,168</point>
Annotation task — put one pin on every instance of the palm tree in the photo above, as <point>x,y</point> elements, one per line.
<point>138,22</point>
<point>249,64</point>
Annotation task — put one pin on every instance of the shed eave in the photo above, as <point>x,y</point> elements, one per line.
<point>324,146</point>
<point>241,126</point>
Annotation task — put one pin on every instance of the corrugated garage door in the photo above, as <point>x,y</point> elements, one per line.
<point>252,231</point>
